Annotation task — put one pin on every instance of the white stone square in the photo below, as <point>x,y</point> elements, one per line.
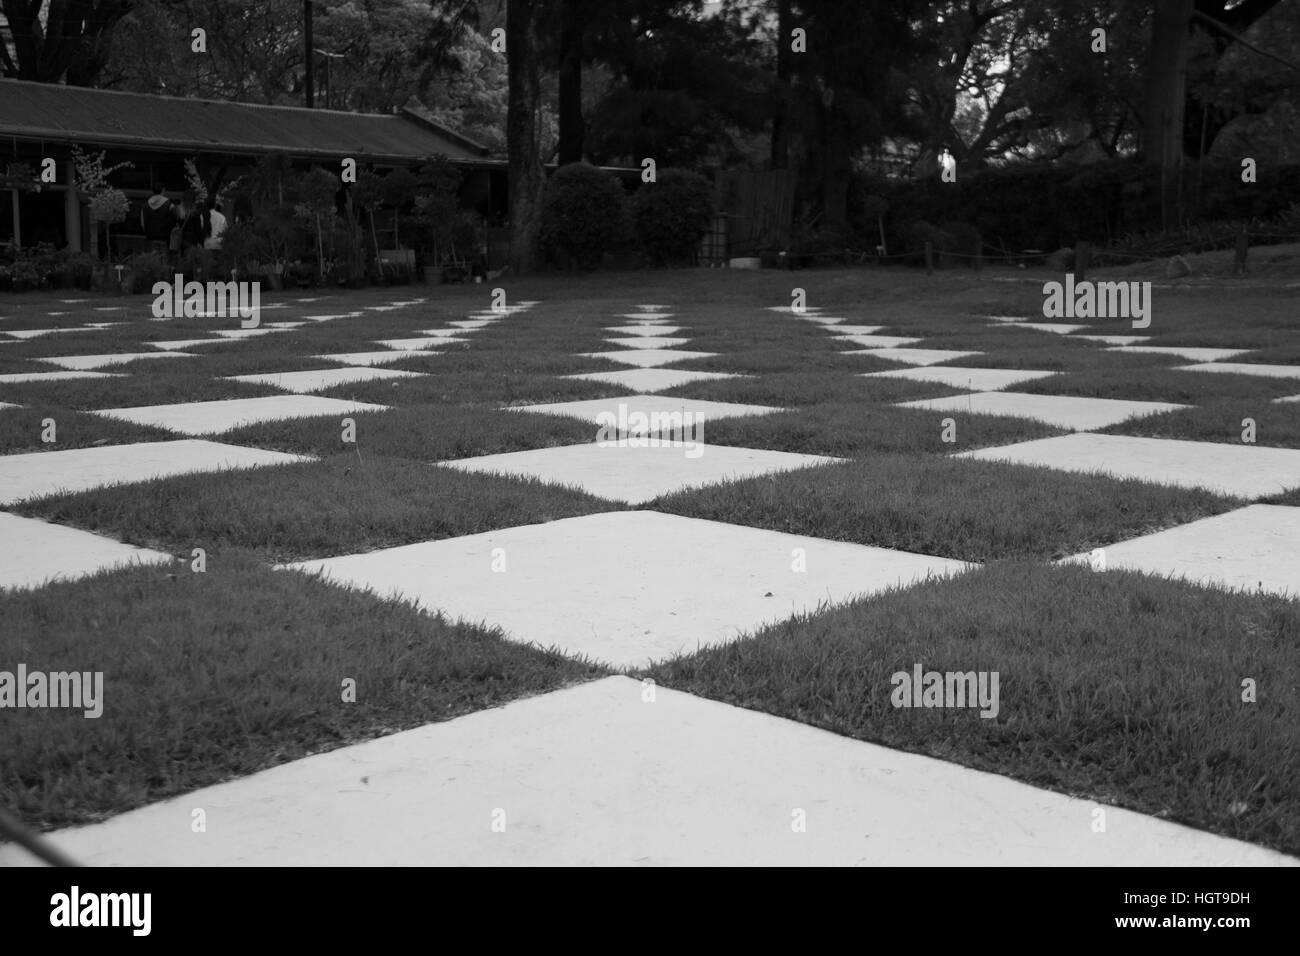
<point>84,363</point>
<point>915,356</point>
<point>37,552</point>
<point>649,358</point>
<point>627,588</point>
<point>973,379</point>
<point>633,474</point>
<point>318,380</point>
<point>650,331</point>
<point>653,379</point>
<point>407,345</point>
<point>647,342</point>
<point>876,341</point>
<point>1245,471</point>
<point>374,358</point>
<point>213,418</point>
<point>672,413</point>
<point>41,473</point>
<point>1245,368</point>
<point>1195,354</point>
<point>1063,411</point>
<point>1253,548</point>
<point>13,378</point>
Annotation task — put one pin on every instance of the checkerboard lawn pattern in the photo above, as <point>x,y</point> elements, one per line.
<point>1122,686</point>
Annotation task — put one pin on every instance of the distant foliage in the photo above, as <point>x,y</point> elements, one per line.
<point>584,214</point>
<point>672,215</point>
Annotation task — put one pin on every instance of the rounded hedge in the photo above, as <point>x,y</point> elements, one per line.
<point>672,215</point>
<point>584,214</point>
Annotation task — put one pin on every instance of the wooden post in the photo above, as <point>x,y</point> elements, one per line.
<point>1243,245</point>
<point>1081,256</point>
<point>929,258</point>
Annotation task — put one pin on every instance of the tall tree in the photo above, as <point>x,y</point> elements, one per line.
<point>573,129</point>
<point>526,173</point>
<point>57,41</point>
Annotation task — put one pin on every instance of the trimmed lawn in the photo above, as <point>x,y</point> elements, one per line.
<point>1117,687</point>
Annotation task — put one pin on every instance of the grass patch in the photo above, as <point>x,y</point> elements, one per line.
<point>952,508</point>
<point>342,505</point>
<point>846,430</point>
<point>419,432</point>
<point>219,675</point>
<point>21,429</point>
<point>1276,425</point>
<point>1116,687</point>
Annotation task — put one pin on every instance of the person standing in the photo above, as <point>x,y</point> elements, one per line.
<point>216,226</point>
<point>157,217</point>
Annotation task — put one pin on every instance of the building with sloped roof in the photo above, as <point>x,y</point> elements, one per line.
<point>156,134</point>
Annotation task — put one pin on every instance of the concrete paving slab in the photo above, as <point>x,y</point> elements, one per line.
<point>249,333</point>
<point>1246,471</point>
<point>666,413</point>
<point>331,316</point>
<point>1115,339</point>
<point>375,358</point>
<point>593,775</point>
<point>648,316</point>
<point>647,330</point>
<point>651,604</point>
<point>652,379</point>
<point>1289,398</point>
<point>915,356</point>
<point>213,418</point>
<point>318,380</point>
<point>973,379</point>
<point>1057,327</point>
<point>84,363</point>
<point>876,341</point>
<point>1245,368</point>
<point>1063,411</point>
<point>38,333</point>
<point>647,342</point>
<point>1195,354</point>
<point>635,474</point>
<point>648,358</point>
<point>180,345</point>
<point>38,552</point>
<point>429,342</point>
<point>1253,548</point>
<point>41,473</point>
<point>473,323</point>
<point>857,329</point>
<point>11,378</point>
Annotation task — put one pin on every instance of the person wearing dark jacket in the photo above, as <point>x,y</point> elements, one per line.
<point>157,217</point>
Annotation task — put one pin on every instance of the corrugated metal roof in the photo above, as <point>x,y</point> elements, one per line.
<point>106,117</point>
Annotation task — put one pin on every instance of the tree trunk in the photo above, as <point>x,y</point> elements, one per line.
<point>573,130</point>
<point>1162,141</point>
<point>781,105</point>
<point>526,175</point>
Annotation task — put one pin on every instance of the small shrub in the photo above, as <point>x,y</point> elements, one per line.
<point>146,268</point>
<point>672,215</point>
<point>584,214</point>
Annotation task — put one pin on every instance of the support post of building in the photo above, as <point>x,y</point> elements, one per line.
<point>1082,251</point>
<point>71,208</point>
